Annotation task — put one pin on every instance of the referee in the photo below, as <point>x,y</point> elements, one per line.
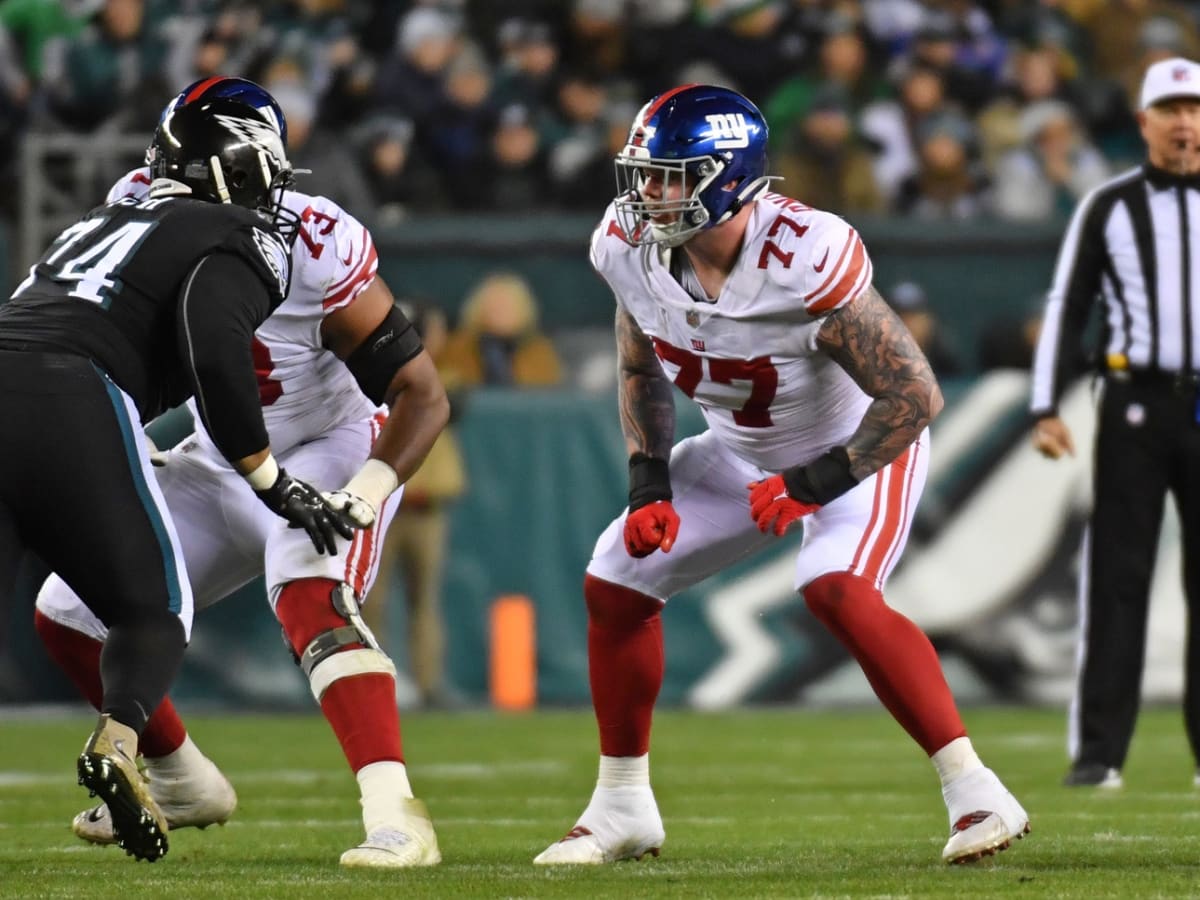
<point>1133,243</point>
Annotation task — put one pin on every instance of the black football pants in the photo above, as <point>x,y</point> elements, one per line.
<point>1147,446</point>
<point>74,490</point>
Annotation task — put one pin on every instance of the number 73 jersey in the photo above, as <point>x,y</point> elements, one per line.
<point>749,358</point>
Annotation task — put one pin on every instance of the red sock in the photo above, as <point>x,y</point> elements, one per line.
<point>78,655</point>
<point>894,654</point>
<point>625,664</point>
<point>360,709</point>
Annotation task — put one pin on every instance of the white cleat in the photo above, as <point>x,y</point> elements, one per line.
<point>619,823</point>
<point>984,817</point>
<point>409,843</point>
<point>200,797</point>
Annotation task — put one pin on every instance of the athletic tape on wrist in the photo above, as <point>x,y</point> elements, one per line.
<point>264,477</point>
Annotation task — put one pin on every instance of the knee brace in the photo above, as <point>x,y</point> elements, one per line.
<point>343,648</point>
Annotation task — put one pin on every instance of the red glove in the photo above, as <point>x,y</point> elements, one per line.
<point>651,527</point>
<point>771,502</point>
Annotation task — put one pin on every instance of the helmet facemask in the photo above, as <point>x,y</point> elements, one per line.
<point>678,213</point>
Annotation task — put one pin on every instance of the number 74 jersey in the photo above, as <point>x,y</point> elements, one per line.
<point>749,358</point>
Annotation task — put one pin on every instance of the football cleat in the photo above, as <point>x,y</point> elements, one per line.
<point>409,843</point>
<point>107,770</point>
<point>200,797</point>
<point>1093,775</point>
<point>984,817</point>
<point>619,823</point>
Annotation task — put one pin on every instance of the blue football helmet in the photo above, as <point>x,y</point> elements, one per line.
<point>706,144</point>
<point>241,90</point>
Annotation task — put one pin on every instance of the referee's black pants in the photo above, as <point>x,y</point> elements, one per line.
<point>1147,445</point>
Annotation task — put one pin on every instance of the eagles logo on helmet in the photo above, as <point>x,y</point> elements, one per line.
<point>706,146</point>
<point>224,151</point>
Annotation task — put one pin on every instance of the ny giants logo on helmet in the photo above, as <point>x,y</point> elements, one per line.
<point>730,130</point>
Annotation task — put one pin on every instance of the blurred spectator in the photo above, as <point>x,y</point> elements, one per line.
<point>497,341</point>
<point>528,68</point>
<point>580,131</point>
<point>598,32</point>
<point>232,40</point>
<point>1009,341</point>
<point>514,177</point>
<point>891,125</point>
<point>911,304</point>
<point>110,73</point>
<point>334,170</point>
<point>28,25</point>
<point>655,40</point>
<point>949,182</point>
<point>1034,77</point>
<point>398,179</point>
<point>943,43</point>
<point>1052,170</point>
<point>1124,41</point>
<point>842,60</point>
<point>457,139</point>
<point>419,535</point>
<point>743,40</point>
<point>409,81</point>
<point>824,165</point>
<point>588,183</point>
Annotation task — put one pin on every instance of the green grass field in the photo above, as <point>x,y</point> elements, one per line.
<point>756,804</point>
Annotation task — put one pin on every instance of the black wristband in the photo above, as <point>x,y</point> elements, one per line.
<point>825,478</point>
<point>649,480</point>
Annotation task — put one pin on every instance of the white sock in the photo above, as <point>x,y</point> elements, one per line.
<point>624,771</point>
<point>381,784</point>
<point>180,761</point>
<point>956,759</point>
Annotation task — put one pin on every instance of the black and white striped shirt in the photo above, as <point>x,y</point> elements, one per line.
<point>1128,243</point>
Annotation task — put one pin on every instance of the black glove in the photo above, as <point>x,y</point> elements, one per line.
<point>304,507</point>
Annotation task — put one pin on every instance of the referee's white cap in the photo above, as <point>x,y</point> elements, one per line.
<point>1175,77</point>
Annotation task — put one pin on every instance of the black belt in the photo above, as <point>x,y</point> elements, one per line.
<point>1179,382</point>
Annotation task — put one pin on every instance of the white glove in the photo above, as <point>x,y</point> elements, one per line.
<point>358,510</point>
<point>364,494</point>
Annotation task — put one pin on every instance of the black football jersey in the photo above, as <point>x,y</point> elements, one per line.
<point>108,288</point>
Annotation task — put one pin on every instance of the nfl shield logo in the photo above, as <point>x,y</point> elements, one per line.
<point>693,318</point>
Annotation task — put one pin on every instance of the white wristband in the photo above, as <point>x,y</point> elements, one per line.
<point>374,482</point>
<point>265,475</point>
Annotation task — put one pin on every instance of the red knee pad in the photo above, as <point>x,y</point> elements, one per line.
<point>612,606</point>
<point>305,609</point>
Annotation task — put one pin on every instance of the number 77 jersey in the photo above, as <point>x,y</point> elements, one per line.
<point>749,357</point>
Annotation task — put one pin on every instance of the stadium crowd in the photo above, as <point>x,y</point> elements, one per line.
<point>925,108</point>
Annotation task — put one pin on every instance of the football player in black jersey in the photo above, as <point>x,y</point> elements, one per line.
<point>133,309</point>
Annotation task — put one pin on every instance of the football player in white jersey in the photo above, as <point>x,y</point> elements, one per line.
<point>817,402</point>
<point>351,398</point>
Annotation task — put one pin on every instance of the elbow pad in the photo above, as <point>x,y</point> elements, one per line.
<point>375,363</point>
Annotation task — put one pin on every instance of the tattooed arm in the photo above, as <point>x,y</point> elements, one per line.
<point>647,404</point>
<point>870,342</point>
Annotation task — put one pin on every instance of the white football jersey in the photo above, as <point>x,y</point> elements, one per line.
<point>749,359</point>
<point>305,389</point>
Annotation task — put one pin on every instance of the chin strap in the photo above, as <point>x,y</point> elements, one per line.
<point>750,192</point>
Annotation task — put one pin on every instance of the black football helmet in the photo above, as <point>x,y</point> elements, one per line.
<point>224,151</point>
